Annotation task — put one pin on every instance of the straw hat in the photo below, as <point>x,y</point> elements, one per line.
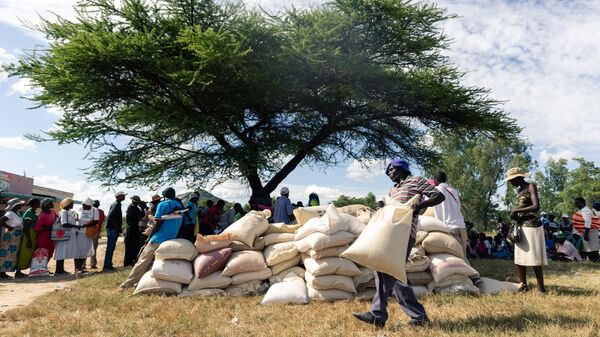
<point>514,173</point>
<point>66,202</point>
<point>14,202</point>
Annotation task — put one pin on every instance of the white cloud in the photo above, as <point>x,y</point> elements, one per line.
<point>17,143</point>
<point>367,171</point>
<point>40,166</point>
<point>541,57</point>
<point>23,87</point>
<point>18,12</point>
<point>55,111</point>
<point>83,189</point>
<point>567,154</point>
<point>5,58</point>
<point>232,190</point>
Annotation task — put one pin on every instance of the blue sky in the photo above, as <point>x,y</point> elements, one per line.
<point>540,58</point>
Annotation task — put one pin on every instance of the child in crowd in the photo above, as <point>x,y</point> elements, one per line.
<point>484,247</point>
<point>500,247</point>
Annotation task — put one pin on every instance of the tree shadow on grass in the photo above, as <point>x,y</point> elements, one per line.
<point>517,322</point>
<point>570,291</point>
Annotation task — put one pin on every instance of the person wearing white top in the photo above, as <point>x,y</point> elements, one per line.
<point>591,243</point>
<point>449,212</point>
<point>11,231</point>
<point>79,246</point>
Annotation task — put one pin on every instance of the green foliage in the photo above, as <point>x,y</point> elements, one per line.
<point>476,167</point>
<point>369,200</point>
<point>583,181</point>
<point>161,91</point>
<point>551,182</point>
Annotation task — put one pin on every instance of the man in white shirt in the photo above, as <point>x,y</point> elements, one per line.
<point>449,212</point>
<point>591,243</point>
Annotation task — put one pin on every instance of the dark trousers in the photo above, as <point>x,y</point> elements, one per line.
<point>187,232</point>
<point>112,235</point>
<point>132,245</point>
<point>386,284</point>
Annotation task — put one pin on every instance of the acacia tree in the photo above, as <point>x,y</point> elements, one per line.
<point>171,89</point>
<point>476,167</point>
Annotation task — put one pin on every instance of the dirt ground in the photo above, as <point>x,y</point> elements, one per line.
<point>19,292</point>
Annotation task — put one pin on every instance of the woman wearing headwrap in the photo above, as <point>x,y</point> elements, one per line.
<point>11,230</point>
<point>78,246</point>
<point>64,248</point>
<point>29,237</point>
<point>44,246</point>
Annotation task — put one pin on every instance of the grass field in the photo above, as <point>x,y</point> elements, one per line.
<point>93,308</point>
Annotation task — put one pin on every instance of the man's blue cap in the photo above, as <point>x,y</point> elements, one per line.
<point>398,163</point>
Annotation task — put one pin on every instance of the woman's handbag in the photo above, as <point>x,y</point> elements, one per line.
<point>515,233</point>
<point>59,233</point>
<point>92,231</point>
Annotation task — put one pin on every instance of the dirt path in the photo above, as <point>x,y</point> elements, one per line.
<point>19,292</point>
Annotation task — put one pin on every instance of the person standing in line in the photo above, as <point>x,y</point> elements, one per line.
<point>188,226</point>
<point>143,224</point>
<point>64,249</point>
<point>87,216</point>
<point>591,243</point>
<point>43,227</point>
<point>531,250</point>
<point>226,218</point>
<point>28,239</point>
<point>78,246</point>
<point>114,226</point>
<point>211,220</point>
<point>202,212</point>
<point>133,216</point>
<point>11,231</point>
<point>283,210</point>
<point>405,187</point>
<point>239,212</point>
<point>163,230</point>
<point>313,200</point>
<point>101,217</point>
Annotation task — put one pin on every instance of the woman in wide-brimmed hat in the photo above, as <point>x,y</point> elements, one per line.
<point>531,250</point>
<point>11,231</point>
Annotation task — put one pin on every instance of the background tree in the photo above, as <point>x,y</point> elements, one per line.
<point>476,167</point>
<point>551,183</point>
<point>369,200</point>
<point>583,181</point>
<point>161,91</point>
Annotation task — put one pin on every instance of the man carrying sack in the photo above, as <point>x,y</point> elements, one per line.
<point>163,230</point>
<point>405,187</point>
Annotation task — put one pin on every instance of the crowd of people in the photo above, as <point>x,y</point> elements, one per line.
<point>40,233</point>
<point>30,238</point>
<point>563,241</point>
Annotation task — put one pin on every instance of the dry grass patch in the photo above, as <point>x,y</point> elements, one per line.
<point>94,308</point>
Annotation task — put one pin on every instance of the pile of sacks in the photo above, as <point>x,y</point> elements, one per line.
<point>437,263</point>
<point>323,257</point>
<point>321,241</point>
